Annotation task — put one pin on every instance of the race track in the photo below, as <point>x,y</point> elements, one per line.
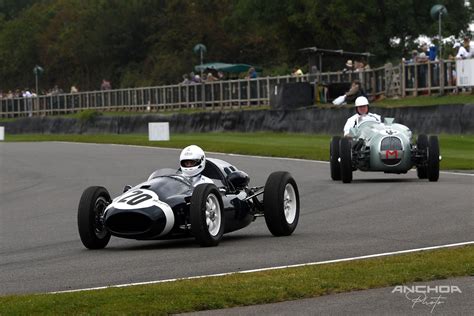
<point>41,183</point>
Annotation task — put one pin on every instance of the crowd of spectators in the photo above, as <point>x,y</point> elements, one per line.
<point>208,76</point>
<point>28,93</point>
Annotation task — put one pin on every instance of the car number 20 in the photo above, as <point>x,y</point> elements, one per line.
<point>135,197</point>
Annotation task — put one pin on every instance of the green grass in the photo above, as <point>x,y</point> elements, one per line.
<point>248,289</point>
<point>426,101</point>
<point>457,150</point>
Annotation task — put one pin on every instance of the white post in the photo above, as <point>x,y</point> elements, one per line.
<point>158,131</point>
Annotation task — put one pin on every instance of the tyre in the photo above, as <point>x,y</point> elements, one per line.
<point>281,203</point>
<point>345,152</point>
<point>433,159</point>
<point>92,205</point>
<point>207,215</point>
<point>334,158</point>
<point>422,146</point>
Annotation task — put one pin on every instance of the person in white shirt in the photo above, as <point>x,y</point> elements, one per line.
<point>192,161</point>
<point>362,115</point>
<point>462,51</point>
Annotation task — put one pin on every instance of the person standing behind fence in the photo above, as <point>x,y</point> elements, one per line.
<point>462,52</point>
<point>252,73</point>
<point>29,104</point>
<point>105,85</point>
<point>354,92</point>
<point>297,72</point>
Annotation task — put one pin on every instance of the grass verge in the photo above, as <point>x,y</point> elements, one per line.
<point>426,101</point>
<point>457,150</point>
<point>253,288</point>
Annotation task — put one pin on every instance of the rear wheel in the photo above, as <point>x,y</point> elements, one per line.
<point>206,215</point>
<point>334,158</point>
<point>281,203</point>
<point>422,147</point>
<point>90,213</point>
<point>345,152</point>
<point>433,159</point>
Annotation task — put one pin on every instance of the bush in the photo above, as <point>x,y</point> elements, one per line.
<point>88,116</point>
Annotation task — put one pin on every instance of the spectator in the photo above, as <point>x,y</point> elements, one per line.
<point>197,79</point>
<point>358,66</point>
<point>210,77</point>
<point>220,75</point>
<point>252,73</point>
<point>74,89</point>
<point>185,79</point>
<point>106,85</point>
<point>349,66</point>
<point>26,93</point>
<point>469,46</point>
<point>297,72</point>
<point>354,92</point>
<point>414,57</point>
<point>462,52</point>
<point>432,52</point>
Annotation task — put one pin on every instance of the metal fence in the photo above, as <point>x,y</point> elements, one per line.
<point>427,78</point>
<point>400,80</point>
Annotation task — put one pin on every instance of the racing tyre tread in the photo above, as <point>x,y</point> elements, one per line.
<point>197,216</point>
<point>433,159</point>
<point>345,151</point>
<point>333,158</point>
<point>422,144</point>
<point>86,218</point>
<point>274,203</point>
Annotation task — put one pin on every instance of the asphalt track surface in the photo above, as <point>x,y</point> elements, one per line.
<point>41,184</point>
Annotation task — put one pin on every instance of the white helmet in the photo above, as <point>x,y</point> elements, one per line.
<point>361,101</point>
<point>192,161</point>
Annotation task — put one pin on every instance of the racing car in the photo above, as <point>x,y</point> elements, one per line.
<point>168,206</point>
<point>386,147</point>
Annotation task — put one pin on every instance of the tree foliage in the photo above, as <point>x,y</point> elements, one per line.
<point>149,42</point>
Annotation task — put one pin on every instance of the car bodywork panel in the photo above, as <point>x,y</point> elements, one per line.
<point>383,147</point>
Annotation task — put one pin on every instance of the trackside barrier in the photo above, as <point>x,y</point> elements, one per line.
<point>159,131</point>
<point>2,133</point>
<point>389,80</point>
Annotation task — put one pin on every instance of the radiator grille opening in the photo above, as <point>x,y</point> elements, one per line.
<point>391,151</point>
<point>129,222</point>
<point>391,143</point>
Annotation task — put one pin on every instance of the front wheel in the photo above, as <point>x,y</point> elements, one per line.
<point>334,158</point>
<point>433,159</point>
<point>345,152</point>
<point>206,215</point>
<point>422,147</point>
<point>281,203</point>
<point>93,233</point>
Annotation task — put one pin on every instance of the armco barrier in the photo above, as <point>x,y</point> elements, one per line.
<point>452,119</point>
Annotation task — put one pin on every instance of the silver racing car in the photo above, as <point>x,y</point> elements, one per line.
<point>386,147</point>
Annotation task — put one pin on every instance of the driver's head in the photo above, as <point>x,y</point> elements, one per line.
<point>192,161</point>
<point>362,105</point>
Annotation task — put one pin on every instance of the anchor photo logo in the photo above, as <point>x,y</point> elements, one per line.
<point>427,295</point>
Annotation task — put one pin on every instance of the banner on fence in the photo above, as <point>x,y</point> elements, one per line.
<point>465,72</point>
<point>158,131</point>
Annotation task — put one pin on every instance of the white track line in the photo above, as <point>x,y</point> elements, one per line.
<point>245,156</point>
<point>271,268</point>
